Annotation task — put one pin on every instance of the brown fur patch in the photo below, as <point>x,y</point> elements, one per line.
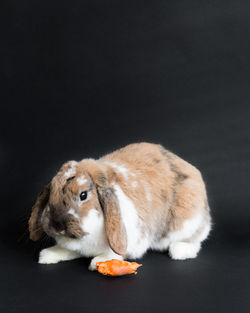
<point>156,160</point>
<point>100,179</point>
<point>163,195</point>
<point>180,177</point>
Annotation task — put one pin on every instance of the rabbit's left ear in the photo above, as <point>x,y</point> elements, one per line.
<point>35,227</point>
<point>114,225</point>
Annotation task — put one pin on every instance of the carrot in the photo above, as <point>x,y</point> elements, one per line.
<point>117,267</point>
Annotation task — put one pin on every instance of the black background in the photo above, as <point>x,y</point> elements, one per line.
<point>82,78</point>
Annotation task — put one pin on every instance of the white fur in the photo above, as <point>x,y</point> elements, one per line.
<point>147,191</point>
<point>161,244</point>
<point>188,229</point>
<point>120,168</point>
<point>148,196</point>
<point>70,172</point>
<point>205,232</point>
<point>134,184</point>
<point>89,222</point>
<point>183,250</point>
<point>136,243</point>
<point>81,180</point>
<point>73,212</point>
<point>56,254</point>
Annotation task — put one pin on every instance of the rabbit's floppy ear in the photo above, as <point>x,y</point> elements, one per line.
<point>114,226</point>
<point>35,227</point>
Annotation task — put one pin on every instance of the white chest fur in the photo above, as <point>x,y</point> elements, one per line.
<point>92,244</point>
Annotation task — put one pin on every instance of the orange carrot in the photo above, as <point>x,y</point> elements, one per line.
<point>117,267</point>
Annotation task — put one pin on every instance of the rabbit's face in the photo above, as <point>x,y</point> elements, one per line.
<point>64,204</point>
<point>76,203</point>
<point>72,196</point>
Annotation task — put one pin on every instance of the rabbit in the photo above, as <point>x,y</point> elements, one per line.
<point>137,198</point>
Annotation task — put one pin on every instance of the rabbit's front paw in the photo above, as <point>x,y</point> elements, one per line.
<point>56,254</point>
<point>48,256</point>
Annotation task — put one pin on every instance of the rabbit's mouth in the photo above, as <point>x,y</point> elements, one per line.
<point>62,226</point>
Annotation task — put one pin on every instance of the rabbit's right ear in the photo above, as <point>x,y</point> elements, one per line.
<point>35,227</point>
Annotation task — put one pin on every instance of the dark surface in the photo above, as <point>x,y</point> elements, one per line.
<point>80,79</point>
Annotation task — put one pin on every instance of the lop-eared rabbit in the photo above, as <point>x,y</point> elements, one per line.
<point>137,198</point>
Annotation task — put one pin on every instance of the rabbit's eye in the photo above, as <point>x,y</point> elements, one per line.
<point>83,195</point>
